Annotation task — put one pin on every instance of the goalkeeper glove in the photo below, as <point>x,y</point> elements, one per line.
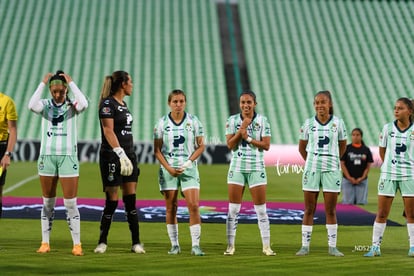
<point>126,164</point>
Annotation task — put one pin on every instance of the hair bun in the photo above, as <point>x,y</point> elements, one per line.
<point>58,72</point>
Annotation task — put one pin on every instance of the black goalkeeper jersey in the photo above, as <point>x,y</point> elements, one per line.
<point>110,108</point>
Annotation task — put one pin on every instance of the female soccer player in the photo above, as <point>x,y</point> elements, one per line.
<point>117,159</point>
<point>248,136</point>
<point>58,158</point>
<point>178,142</point>
<point>322,141</point>
<point>396,149</point>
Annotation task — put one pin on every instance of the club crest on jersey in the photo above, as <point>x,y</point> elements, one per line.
<point>381,185</point>
<point>256,127</point>
<point>334,128</point>
<point>188,127</point>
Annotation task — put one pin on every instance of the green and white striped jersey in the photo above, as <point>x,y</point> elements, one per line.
<point>59,131</point>
<point>179,140</point>
<point>399,155</point>
<point>323,148</point>
<point>246,157</point>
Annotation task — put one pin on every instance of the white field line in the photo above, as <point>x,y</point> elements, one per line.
<point>19,184</point>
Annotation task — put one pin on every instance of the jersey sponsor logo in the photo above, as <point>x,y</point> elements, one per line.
<point>400,148</point>
<point>57,120</point>
<point>323,140</point>
<point>178,140</point>
<point>126,132</point>
<point>129,118</point>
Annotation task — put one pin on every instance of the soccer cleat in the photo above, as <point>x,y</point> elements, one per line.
<point>375,251</point>
<point>175,250</point>
<point>230,250</point>
<point>333,251</point>
<point>100,248</point>
<point>303,251</point>
<point>411,252</point>
<point>138,248</point>
<point>44,248</point>
<point>77,250</point>
<point>196,251</point>
<point>268,251</point>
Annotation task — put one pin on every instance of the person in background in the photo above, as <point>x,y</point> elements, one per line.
<point>178,143</point>
<point>58,160</point>
<point>396,149</point>
<point>248,136</point>
<point>117,158</point>
<point>355,164</point>
<point>322,141</point>
<point>8,138</point>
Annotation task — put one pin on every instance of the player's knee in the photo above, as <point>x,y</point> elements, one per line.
<point>260,210</point>
<point>70,203</point>
<point>49,203</point>
<point>234,209</point>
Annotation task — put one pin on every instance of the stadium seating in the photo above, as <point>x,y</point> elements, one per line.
<point>360,50</point>
<point>163,44</point>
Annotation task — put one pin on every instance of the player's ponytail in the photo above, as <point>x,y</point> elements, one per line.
<point>57,79</point>
<point>112,84</point>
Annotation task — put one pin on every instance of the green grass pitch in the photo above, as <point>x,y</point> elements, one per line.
<point>20,238</point>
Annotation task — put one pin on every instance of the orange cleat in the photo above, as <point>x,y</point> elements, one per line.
<point>44,248</point>
<point>77,250</point>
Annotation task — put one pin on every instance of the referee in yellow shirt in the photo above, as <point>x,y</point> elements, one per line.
<point>8,138</point>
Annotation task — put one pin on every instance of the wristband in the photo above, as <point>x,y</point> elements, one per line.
<point>249,139</point>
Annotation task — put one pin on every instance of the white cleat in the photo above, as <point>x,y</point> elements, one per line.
<point>101,248</point>
<point>268,251</point>
<point>230,250</point>
<point>138,248</point>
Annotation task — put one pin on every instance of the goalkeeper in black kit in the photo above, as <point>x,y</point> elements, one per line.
<point>118,161</point>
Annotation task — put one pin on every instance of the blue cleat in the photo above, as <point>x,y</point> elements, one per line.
<point>175,250</point>
<point>375,251</point>
<point>196,251</point>
<point>303,251</point>
<point>411,252</point>
<point>333,251</point>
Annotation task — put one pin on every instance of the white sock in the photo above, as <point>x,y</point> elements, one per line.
<point>332,230</point>
<point>46,217</point>
<point>195,231</point>
<point>410,229</point>
<point>73,218</point>
<point>231,222</point>
<point>377,233</point>
<point>172,230</point>
<point>263,222</point>
<point>306,234</point>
